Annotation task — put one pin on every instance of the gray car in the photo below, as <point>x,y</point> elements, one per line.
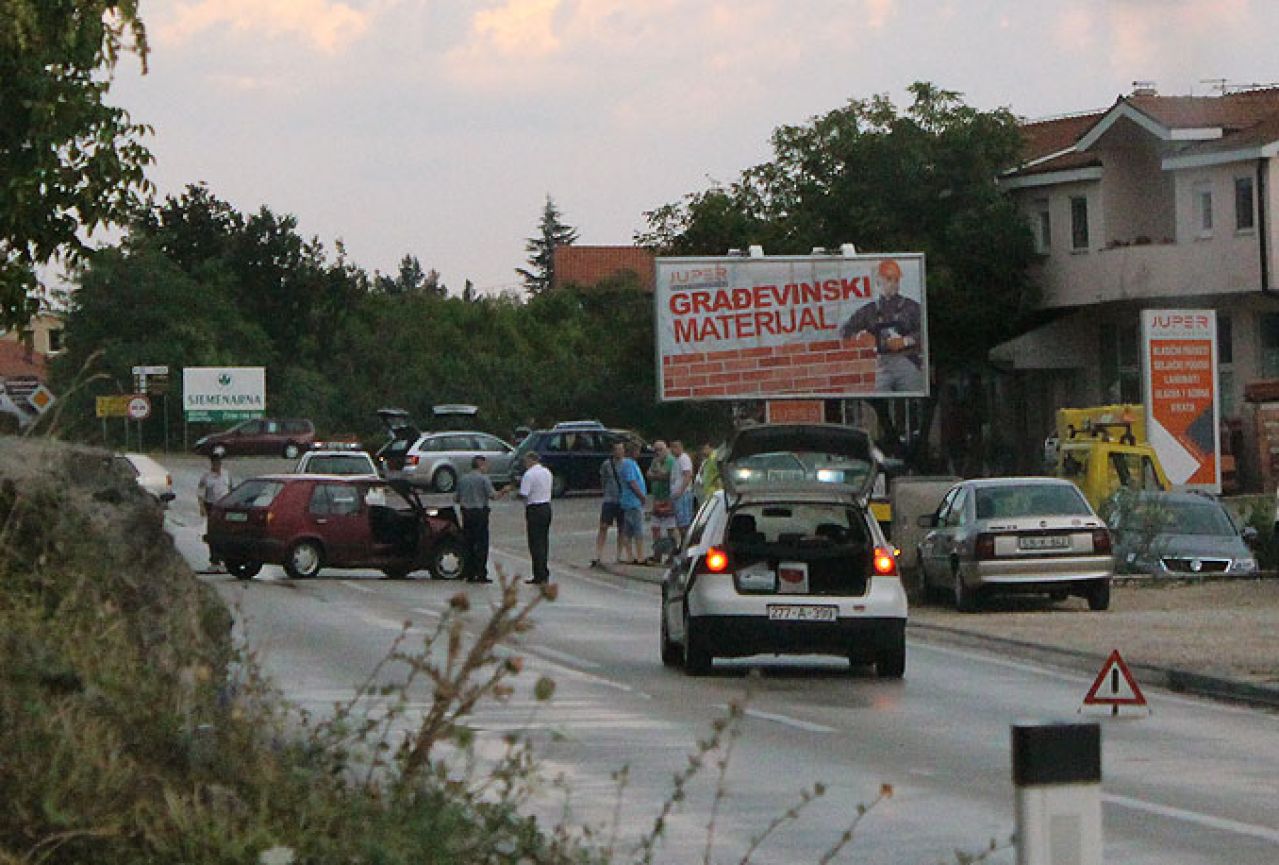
<point>438,459</point>
<point>1016,535</point>
<point>1164,533</point>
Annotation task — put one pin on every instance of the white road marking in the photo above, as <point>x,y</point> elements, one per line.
<point>565,657</point>
<point>434,614</point>
<point>787,720</point>
<point>350,584</point>
<point>1263,832</point>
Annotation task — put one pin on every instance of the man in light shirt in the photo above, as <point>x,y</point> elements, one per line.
<point>535,490</point>
<point>213,485</point>
<point>682,488</point>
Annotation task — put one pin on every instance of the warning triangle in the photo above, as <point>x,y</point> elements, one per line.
<point>1115,685</point>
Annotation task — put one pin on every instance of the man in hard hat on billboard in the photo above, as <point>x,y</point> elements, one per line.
<point>895,322</point>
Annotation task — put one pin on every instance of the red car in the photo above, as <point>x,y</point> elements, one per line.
<point>309,522</point>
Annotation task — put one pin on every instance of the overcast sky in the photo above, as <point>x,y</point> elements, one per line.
<point>437,127</point>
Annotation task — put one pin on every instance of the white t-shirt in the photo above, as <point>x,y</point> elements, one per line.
<point>535,486</point>
<point>684,472</point>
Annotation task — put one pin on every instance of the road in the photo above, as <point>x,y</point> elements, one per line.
<point>1195,782</point>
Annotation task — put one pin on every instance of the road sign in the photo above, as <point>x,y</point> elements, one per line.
<point>41,398</point>
<point>1115,686</point>
<point>113,406</point>
<point>139,407</point>
<point>150,370</point>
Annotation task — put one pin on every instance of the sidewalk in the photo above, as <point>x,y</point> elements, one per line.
<point>1217,638</point>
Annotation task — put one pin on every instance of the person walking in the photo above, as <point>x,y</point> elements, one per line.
<point>213,485</point>
<point>474,492</point>
<point>682,488</point>
<point>611,507</point>
<point>535,491</point>
<point>631,500</point>
<point>660,472</point>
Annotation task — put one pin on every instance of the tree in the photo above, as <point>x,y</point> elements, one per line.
<point>552,232</point>
<point>70,162</point>
<point>411,279</point>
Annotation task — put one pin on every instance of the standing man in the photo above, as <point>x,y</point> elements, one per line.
<point>895,322</point>
<point>474,491</point>
<point>660,473</point>
<point>611,508</point>
<point>535,490</point>
<point>632,502</point>
<point>682,488</point>
<point>213,485</point>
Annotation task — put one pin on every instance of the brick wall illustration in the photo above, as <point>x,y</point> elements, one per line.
<point>834,366</point>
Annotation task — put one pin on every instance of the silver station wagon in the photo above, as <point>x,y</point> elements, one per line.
<point>1016,535</point>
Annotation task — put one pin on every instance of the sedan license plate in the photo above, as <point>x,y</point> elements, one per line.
<point>1043,542</point>
<point>237,517</point>
<point>802,613</point>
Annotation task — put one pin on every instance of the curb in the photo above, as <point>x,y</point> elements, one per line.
<point>1171,679</point>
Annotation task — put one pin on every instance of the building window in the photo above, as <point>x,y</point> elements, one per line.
<point>1270,345</point>
<point>1079,222</point>
<point>55,340</point>
<point>1244,218</point>
<point>1203,210</point>
<point>1225,366</point>
<point>1042,227</point>
<point>1120,360</point>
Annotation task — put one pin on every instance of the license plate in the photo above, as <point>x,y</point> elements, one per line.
<point>1044,542</point>
<point>237,517</point>
<point>802,613</point>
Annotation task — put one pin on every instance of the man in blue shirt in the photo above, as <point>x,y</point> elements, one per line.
<point>633,494</point>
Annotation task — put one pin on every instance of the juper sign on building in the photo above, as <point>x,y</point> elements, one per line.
<point>1180,360</point>
<point>219,394</point>
<point>768,327</point>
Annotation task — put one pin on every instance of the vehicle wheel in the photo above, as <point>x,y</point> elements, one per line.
<point>304,560</point>
<point>444,480</point>
<point>890,663</point>
<point>672,654</point>
<point>966,599</point>
<point>559,486</point>
<point>395,573</point>
<point>291,451</point>
<point>243,570</point>
<point>698,659</point>
<point>218,451</point>
<point>1099,596</point>
<point>448,560</point>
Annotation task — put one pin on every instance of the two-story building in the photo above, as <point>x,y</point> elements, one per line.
<point>1159,201</point>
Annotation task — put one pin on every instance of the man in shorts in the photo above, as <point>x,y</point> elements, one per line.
<point>665,530</point>
<point>632,501</point>
<point>682,488</point>
<point>611,507</point>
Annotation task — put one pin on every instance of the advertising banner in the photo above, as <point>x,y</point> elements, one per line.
<point>221,394</point>
<point>820,326</point>
<point>1179,352</point>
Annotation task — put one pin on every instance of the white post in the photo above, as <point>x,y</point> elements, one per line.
<point>1057,773</point>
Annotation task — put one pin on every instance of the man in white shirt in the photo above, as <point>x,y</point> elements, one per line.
<point>535,490</point>
<point>682,488</point>
<point>213,485</point>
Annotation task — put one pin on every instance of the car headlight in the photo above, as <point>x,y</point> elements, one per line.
<point>743,474</point>
<point>830,476</point>
<point>1243,566</point>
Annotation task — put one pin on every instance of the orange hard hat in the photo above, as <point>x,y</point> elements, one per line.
<point>890,269</point>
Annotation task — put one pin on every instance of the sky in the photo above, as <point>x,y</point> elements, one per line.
<point>438,127</point>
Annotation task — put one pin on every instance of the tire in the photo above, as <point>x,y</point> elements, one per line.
<point>672,654</point>
<point>291,451</point>
<point>559,486</point>
<point>966,599</point>
<point>890,662</point>
<point>698,660</point>
<point>448,560</point>
<point>1099,596</point>
<point>444,480</point>
<point>218,451</point>
<point>304,560</point>
<point>243,570</point>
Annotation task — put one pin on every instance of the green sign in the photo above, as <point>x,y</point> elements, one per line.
<point>221,416</point>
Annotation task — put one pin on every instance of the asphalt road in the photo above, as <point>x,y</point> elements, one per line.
<point>1194,782</point>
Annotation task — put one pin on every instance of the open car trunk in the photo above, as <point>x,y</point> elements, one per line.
<point>799,548</point>
<point>802,455</point>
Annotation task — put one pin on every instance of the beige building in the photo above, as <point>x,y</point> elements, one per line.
<point>43,335</point>
<point>1157,202</point>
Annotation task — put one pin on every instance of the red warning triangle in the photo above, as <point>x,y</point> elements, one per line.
<point>1115,685</point>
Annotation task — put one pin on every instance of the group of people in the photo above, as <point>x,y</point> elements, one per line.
<point>665,491</point>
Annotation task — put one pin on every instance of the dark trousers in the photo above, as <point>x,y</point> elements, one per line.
<point>537,522</point>
<point>475,533</point>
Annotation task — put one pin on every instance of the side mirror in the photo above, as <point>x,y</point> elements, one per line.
<point>927,521</point>
<point>1249,535</point>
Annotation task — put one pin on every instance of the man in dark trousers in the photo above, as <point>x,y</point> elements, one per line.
<point>535,490</point>
<point>895,322</point>
<point>474,491</point>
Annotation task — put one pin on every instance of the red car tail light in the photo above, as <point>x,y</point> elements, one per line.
<point>984,546</point>
<point>1101,542</point>
<point>714,562</point>
<point>885,562</point>
<point>411,460</point>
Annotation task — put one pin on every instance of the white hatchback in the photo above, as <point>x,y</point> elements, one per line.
<point>153,478</point>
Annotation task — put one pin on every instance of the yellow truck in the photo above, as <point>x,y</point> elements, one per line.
<point>1104,448</point>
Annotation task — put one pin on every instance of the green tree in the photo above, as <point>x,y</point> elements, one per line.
<point>552,232</point>
<point>70,162</point>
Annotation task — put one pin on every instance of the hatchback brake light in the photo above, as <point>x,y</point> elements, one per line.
<point>1101,542</point>
<point>885,562</point>
<point>984,547</point>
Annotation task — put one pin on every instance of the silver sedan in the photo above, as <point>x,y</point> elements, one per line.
<point>1016,535</point>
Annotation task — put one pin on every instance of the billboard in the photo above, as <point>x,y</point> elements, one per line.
<point>1179,352</point>
<point>768,327</point>
<point>220,394</point>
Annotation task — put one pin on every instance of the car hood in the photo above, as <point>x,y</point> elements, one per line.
<point>1200,546</point>
<point>841,445</point>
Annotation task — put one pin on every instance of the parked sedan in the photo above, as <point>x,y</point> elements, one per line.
<point>1163,533</point>
<point>336,462</point>
<point>1016,535</point>
<point>310,522</point>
